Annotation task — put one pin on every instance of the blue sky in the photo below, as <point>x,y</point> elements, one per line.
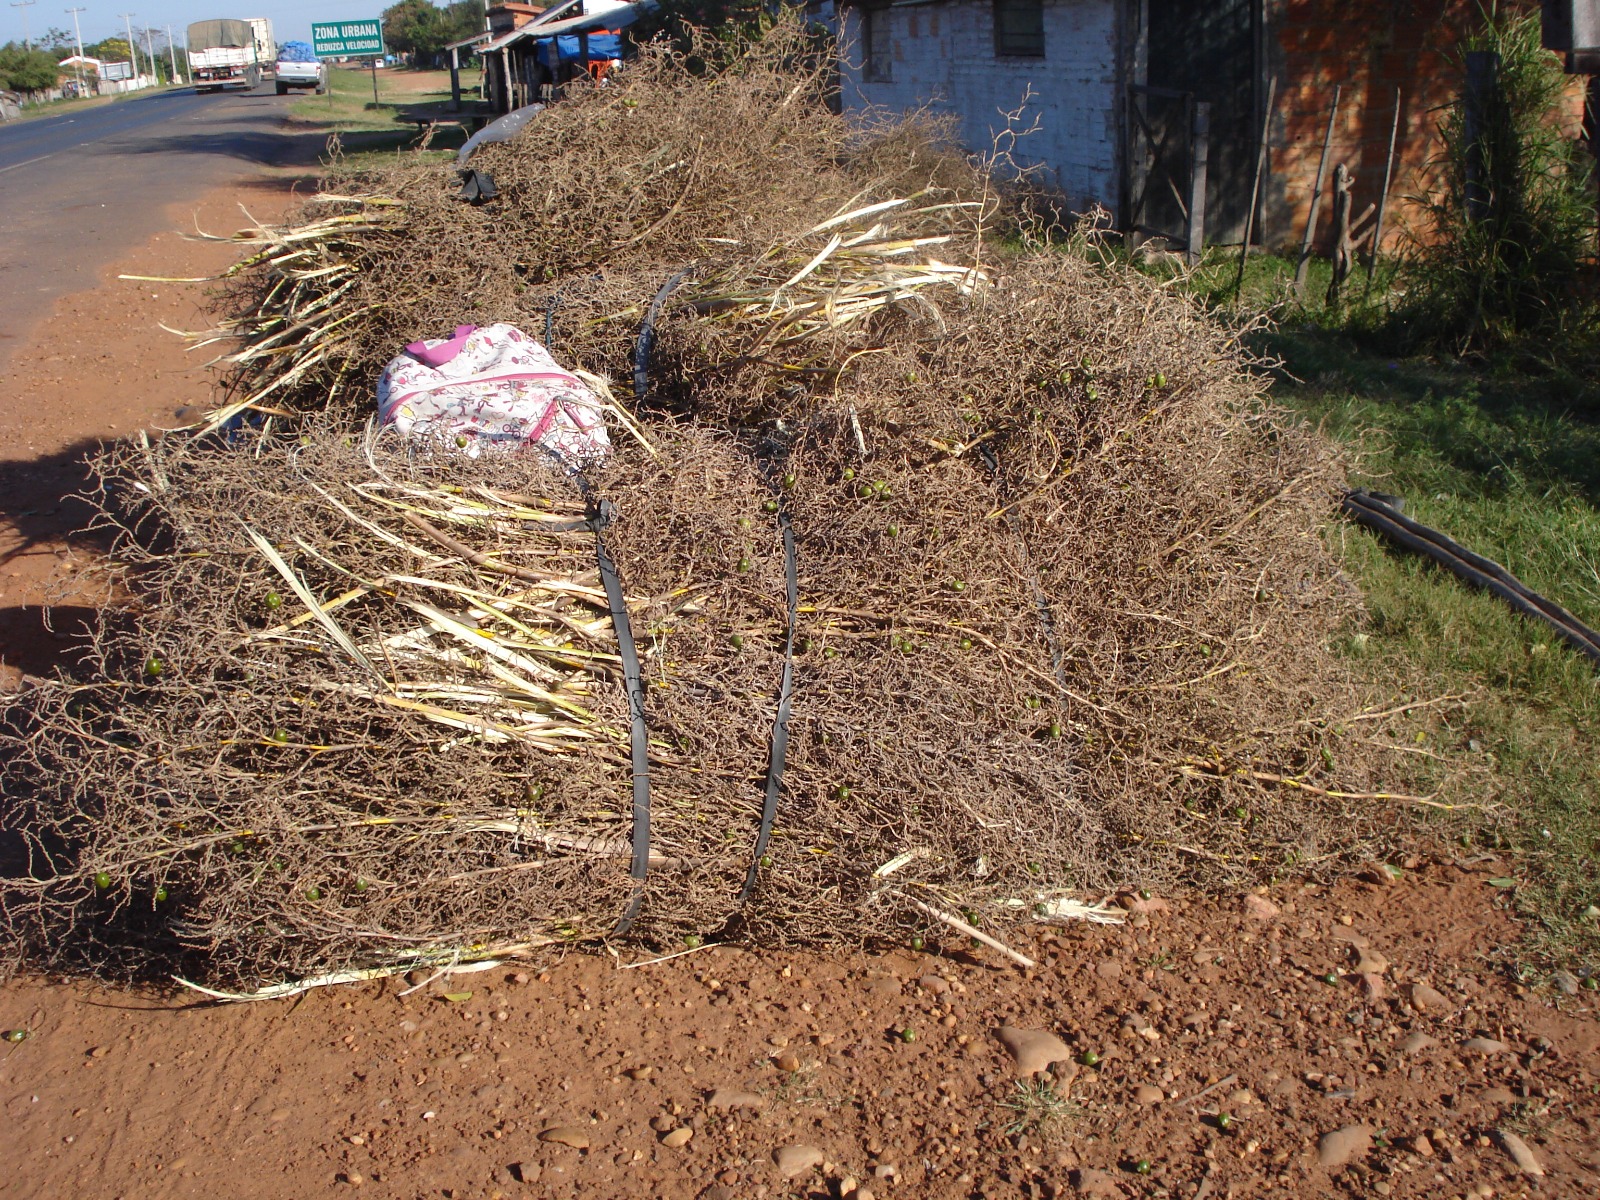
<point>291,19</point>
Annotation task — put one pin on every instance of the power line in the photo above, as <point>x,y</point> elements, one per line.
<point>78,35</point>
<point>133,52</point>
<point>25,5</point>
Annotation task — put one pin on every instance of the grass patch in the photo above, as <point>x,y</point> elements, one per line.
<point>388,124</point>
<point>1039,1109</point>
<point>1505,464</point>
<point>1508,463</point>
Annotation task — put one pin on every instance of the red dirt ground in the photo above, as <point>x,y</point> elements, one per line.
<point>583,1075</point>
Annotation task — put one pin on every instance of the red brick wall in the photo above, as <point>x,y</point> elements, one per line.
<point>1369,48</point>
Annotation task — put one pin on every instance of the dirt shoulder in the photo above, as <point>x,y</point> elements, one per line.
<point>101,365</point>
<point>1228,1042</point>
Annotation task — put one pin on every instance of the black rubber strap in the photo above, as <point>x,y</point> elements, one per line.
<point>550,311</point>
<point>1387,519</point>
<point>780,724</point>
<point>1047,619</point>
<point>645,342</point>
<point>599,518</point>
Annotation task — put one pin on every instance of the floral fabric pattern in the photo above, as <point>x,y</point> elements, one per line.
<point>492,389</point>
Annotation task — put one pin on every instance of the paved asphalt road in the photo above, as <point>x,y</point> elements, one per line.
<point>80,189</point>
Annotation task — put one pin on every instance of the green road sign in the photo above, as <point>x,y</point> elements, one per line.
<point>343,39</point>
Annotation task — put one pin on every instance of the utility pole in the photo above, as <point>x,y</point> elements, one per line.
<point>172,51</point>
<point>133,52</point>
<point>25,5</point>
<point>78,36</point>
<point>150,57</point>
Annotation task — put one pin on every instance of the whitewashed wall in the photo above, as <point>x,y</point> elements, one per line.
<point>942,55</point>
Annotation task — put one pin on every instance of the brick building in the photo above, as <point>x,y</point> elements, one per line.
<point>1110,88</point>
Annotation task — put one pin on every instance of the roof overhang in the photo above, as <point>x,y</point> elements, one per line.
<point>612,18</point>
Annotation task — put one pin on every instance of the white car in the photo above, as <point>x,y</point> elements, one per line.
<point>303,70</point>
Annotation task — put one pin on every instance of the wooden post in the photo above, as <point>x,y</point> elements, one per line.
<point>1255,185</point>
<point>1341,233</point>
<point>1591,121</point>
<point>1130,238</point>
<point>1383,197</point>
<point>1316,199</point>
<point>374,65</point>
<point>455,78</point>
<point>1199,160</point>
<point>1483,81</point>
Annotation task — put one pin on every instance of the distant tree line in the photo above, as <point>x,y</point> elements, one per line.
<point>36,70</point>
<point>421,30</point>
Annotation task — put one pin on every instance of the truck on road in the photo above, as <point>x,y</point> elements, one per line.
<point>230,53</point>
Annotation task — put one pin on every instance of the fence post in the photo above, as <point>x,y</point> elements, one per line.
<point>1199,159</point>
<point>1591,123</point>
<point>1483,83</point>
<point>1130,238</point>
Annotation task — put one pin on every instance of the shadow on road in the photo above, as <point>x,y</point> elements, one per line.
<point>264,147</point>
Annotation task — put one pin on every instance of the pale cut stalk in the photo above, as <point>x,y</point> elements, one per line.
<point>816,261</point>
<point>474,638</point>
<point>295,622</point>
<point>383,534</point>
<point>960,926</point>
<point>478,726</point>
<point>846,218</point>
<point>469,960</point>
<point>310,601</point>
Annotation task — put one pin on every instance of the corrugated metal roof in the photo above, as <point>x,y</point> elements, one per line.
<point>612,18</point>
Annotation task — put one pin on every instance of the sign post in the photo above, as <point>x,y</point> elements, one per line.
<point>349,39</point>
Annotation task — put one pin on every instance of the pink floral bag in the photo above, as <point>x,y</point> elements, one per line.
<point>492,388</point>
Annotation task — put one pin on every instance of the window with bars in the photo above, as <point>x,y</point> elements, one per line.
<point>876,47</point>
<point>1019,28</point>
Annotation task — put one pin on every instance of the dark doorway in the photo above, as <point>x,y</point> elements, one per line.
<point>1211,49</point>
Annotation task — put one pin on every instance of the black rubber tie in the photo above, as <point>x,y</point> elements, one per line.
<point>599,518</point>
<point>780,724</point>
<point>1041,602</point>
<point>1384,516</point>
<point>645,342</point>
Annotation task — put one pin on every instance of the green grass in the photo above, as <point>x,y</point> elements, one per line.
<point>366,127</point>
<point>1508,463</point>
<point>1504,464</point>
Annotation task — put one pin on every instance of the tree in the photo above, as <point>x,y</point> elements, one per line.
<point>111,49</point>
<point>422,29</point>
<point>23,70</point>
<point>57,42</point>
<point>415,27</point>
<point>465,18</point>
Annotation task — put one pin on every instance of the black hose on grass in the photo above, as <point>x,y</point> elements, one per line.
<point>1383,515</point>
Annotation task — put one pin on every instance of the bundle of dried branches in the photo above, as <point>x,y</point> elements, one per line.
<point>1063,616</point>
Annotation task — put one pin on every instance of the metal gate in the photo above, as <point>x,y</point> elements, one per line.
<point>1165,187</point>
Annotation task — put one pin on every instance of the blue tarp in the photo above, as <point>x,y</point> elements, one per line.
<point>296,52</point>
<point>564,49</point>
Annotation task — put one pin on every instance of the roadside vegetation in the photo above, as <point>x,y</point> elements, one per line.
<point>1463,379</point>
<point>407,100</point>
<point>1508,463</point>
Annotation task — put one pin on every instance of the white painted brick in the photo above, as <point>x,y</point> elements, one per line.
<point>956,72</point>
